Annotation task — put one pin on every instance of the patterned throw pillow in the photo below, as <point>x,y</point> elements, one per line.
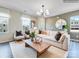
<point>63,37</point>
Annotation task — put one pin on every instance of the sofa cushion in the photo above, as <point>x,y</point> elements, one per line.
<point>19,37</point>
<point>54,43</point>
<point>44,32</point>
<point>46,37</point>
<point>52,33</point>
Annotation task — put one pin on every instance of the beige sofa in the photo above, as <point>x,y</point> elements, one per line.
<point>50,38</point>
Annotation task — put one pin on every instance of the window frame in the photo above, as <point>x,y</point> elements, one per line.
<point>7,16</point>
<point>22,22</point>
<point>74,24</point>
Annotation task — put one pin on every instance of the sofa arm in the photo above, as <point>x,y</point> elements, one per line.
<point>66,43</point>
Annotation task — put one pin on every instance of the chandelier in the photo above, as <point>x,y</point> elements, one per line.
<point>43,11</point>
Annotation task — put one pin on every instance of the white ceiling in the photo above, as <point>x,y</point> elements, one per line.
<point>55,7</point>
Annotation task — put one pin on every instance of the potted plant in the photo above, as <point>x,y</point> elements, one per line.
<point>65,27</point>
<point>32,35</point>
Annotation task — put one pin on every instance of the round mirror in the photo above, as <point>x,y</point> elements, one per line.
<point>60,23</point>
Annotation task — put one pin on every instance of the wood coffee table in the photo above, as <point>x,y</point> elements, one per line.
<point>39,47</point>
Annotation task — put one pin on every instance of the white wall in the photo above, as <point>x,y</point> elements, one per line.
<point>14,24</point>
<point>41,23</point>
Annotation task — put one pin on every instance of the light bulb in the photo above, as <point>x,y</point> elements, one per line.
<point>41,10</point>
<point>38,13</point>
<point>47,12</point>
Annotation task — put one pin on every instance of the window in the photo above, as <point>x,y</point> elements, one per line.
<point>74,24</point>
<point>4,22</point>
<point>26,23</point>
<point>60,23</point>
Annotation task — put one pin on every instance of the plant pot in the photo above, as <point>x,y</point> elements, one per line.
<point>32,39</point>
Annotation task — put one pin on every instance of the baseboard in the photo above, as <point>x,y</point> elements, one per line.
<point>6,41</point>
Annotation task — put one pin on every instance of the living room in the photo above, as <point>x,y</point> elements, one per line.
<point>39,29</point>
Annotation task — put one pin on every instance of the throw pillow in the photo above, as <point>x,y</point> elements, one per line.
<point>63,37</point>
<point>40,31</point>
<point>19,33</point>
<point>27,32</point>
<point>57,36</point>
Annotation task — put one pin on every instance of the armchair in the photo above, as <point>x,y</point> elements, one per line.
<point>18,35</point>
